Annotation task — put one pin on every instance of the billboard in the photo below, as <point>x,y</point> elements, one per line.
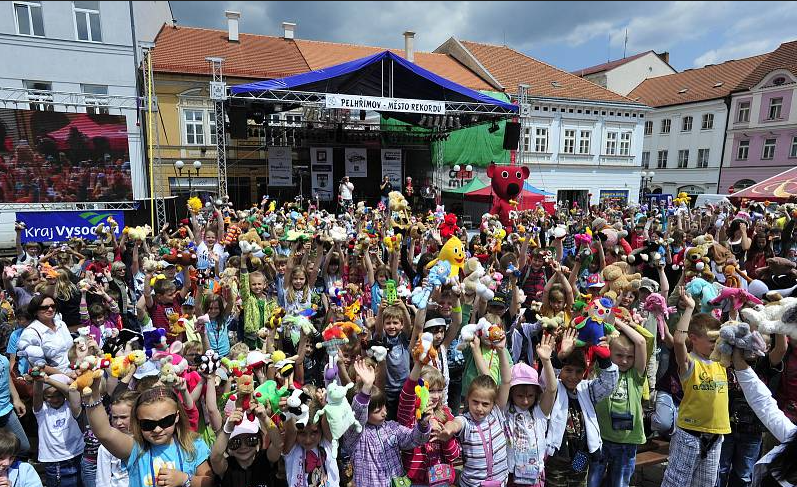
<point>62,225</point>
<point>53,157</point>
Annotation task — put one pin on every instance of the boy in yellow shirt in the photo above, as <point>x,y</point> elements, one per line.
<point>703,414</point>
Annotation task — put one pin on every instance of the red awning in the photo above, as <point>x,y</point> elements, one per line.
<point>780,187</point>
<point>527,200</point>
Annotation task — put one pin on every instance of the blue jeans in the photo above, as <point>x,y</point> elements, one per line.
<point>88,472</point>
<point>737,459</point>
<point>11,423</point>
<point>63,474</point>
<point>616,461</point>
<point>666,414</point>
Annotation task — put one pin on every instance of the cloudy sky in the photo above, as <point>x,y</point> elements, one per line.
<point>569,35</point>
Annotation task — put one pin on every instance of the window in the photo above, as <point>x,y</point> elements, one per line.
<point>702,158</point>
<point>212,127</point>
<point>743,150</point>
<point>194,127</point>
<point>294,120</point>
<point>769,149</point>
<point>583,141</point>
<point>526,140</point>
<point>541,140</point>
<point>87,21</point>
<point>28,16</point>
<point>683,159</point>
<point>775,105</point>
<point>96,105</point>
<point>625,144</point>
<point>611,143</point>
<point>708,121</point>
<point>40,91</point>
<point>570,142</point>
<point>744,112</point>
<point>793,151</point>
<point>742,184</point>
<point>662,162</point>
<point>665,126</point>
<point>686,124</point>
<point>646,160</point>
<point>648,127</point>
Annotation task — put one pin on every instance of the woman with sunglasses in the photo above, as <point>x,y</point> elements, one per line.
<point>163,451</point>
<point>240,456</point>
<point>49,333</point>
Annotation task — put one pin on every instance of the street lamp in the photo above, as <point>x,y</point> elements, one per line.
<point>647,178</point>
<point>178,169</point>
<point>462,173</point>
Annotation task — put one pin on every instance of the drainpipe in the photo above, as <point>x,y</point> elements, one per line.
<point>724,140</point>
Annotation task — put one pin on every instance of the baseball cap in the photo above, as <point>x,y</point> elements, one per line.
<point>246,427</point>
<point>499,299</point>
<point>434,323</point>
<point>524,374</point>
<point>649,284</point>
<point>189,301</point>
<point>594,280</point>
<point>146,369</point>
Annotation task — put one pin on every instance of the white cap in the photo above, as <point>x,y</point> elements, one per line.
<point>246,427</point>
<point>146,369</point>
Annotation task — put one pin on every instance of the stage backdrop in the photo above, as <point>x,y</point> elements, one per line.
<point>48,226</point>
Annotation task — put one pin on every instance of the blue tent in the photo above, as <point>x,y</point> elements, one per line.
<point>373,76</point>
<point>533,189</point>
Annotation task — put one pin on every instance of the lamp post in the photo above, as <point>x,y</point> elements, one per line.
<point>178,168</point>
<point>647,178</point>
<point>462,173</point>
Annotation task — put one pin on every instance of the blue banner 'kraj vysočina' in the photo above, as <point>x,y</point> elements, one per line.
<point>60,226</point>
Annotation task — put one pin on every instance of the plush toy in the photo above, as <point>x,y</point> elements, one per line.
<point>593,327</point>
<point>299,322</point>
<point>340,416</point>
<point>472,283</point>
<point>393,243</point>
<point>552,324</point>
<point>449,226</point>
<point>378,352</point>
<point>424,352</point>
<point>154,341</point>
<point>656,304</point>
<point>209,362</point>
<point>453,252</point>
<point>438,276</point>
<point>297,408</point>
<point>731,273</point>
<point>35,355</point>
<point>352,311</point>
<point>421,398</point>
<point>244,390</point>
<point>87,371</point>
<point>696,263</point>
<point>507,184</point>
<point>736,297</point>
<point>195,205</point>
<point>269,395</point>
<point>491,334</point>
<point>780,273</point>
<point>139,234</point>
<point>702,291</point>
<point>778,317</point>
<point>167,373</point>
<point>737,334</point>
<point>618,281</point>
<point>400,218</point>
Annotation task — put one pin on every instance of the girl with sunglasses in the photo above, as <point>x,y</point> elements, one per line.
<point>240,456</point>
<point>163,451</point>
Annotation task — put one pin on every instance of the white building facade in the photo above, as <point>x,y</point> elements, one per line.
<point>83,52</point>
<point>623,75</point>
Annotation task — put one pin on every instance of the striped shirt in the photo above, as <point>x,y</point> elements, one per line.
<point>474,450</point>
<point>418,460</point>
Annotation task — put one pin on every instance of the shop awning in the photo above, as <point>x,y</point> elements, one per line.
<point>780,187</point>
<point>533,189</point>
<point>473,185</point>
<point>384,74</point>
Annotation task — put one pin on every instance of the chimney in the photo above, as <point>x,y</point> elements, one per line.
<point>288,29</point>
<point>665,56</point>
<point>232,24</point>
<point>409,47</point>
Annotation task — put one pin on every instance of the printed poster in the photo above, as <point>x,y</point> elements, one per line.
<point>321,173</point>
<point>280,166</point>
<point>391,167</point>
<point>356,162</point>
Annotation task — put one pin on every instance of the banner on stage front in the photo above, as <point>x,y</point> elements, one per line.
<point>321,173</point>
<point>60,226</point>
<point>280,166</point>
<point>356,162</point>
<point>391,167</point>
<point>379,104</point>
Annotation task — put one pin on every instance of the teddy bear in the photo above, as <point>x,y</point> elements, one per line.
<point>167,373</point>
<point>472,283</point>
<point>424,352</point>
<point>449,226</point>
<point>780,273</point>
<point>399,207</point>
<point>139,233</point>
<point>778,317</point>
<point>339,413</point>
<point>507,184</point>
<point>737,334</point>
<point>87,371</point>
<point>418,230</point>
<point>696,263</point>
<point>552,324</point>
<point>618,281</point>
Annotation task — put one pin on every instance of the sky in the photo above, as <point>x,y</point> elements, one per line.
<point>568,35</point>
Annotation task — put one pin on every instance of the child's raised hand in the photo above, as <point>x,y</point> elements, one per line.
<point>366,374</point>
<point>685,298</point>
<point>234,418</point>
<point>321,396</point>
<point>568,342</point>
<point>169,477</point>
<point>545,348</point>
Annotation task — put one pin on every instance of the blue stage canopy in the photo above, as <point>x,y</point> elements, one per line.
<point>373,76</point>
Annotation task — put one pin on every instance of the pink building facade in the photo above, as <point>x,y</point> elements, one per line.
<point>761,136</point>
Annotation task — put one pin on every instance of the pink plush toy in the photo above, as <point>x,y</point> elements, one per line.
<point>736,296</point>
<point>657,304</point>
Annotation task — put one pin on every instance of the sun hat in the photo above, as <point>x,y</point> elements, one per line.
<point>246,427</point>
<point>523,374</point>
<point>434,323</point>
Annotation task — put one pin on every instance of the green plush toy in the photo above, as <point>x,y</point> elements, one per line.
<point>340,416</point>
<point>267,394</point>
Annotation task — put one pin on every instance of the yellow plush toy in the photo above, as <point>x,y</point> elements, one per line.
<point>195,204</point>
<point>454,253</point>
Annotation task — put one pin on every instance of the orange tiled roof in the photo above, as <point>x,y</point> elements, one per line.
<point>184,49</point>
<point>699,84</point>
<point>784,57</point>
<point>320,54</point>
<point>511,68</point>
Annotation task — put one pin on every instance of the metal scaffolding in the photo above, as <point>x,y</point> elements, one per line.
<point>218,93</point>
<point>158,189</point>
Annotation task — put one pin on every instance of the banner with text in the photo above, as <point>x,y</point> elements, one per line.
<point>356,162</point>
<point>60,226</point>
<point>280,166</point>
<point>379,104</point>
<point>321,173</point>
<point>391,167</point>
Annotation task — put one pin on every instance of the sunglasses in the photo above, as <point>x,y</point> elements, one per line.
<point>250,441</point>
<point>151,424</point>
<point>46,307</point>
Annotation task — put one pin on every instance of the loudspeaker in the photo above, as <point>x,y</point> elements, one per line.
<point>237,122</point>
<point>511,135</point>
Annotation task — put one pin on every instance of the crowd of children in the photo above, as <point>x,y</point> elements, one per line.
<point>286,346</point>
